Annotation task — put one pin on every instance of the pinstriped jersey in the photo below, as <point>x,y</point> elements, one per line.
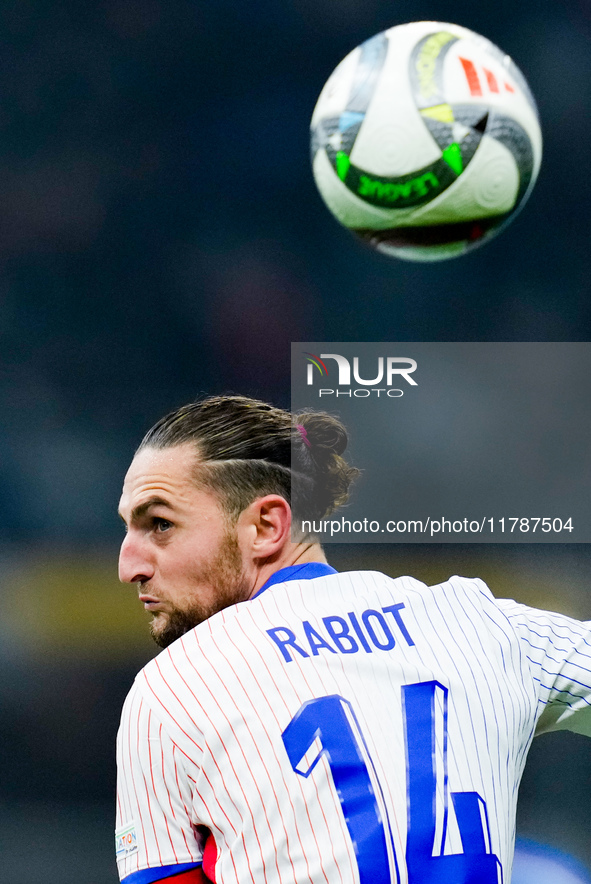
<point>345,728</point>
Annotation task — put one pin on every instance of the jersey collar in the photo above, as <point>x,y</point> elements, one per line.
<point>297,572</point>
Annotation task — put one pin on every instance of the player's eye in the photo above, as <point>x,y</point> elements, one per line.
<point>161,525</point>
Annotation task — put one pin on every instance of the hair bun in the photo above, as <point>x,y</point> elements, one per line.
<point>324,440</point>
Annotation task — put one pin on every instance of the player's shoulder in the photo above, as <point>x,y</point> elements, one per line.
<point>465,590</point>
<point>456,585</point>
<point>170,688</point>
<point>407,583</point>
<point>469,585</point>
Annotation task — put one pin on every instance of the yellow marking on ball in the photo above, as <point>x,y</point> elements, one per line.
<point>441,112</point>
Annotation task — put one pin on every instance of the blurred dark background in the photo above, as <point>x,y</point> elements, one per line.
<point>161,237</point>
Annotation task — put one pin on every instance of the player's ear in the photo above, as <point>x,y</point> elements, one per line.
<point>267,525</point>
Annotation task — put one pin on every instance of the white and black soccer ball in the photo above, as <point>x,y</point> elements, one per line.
<point>426,141</point>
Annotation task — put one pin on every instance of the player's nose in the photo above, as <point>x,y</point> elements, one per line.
<point>134,565</point>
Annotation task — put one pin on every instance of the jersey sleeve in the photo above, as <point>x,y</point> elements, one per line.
<point>154,836</point>
<point>558,650</point>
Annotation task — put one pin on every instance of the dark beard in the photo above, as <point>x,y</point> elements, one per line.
<point>225,573</point>
<point>177,624</point>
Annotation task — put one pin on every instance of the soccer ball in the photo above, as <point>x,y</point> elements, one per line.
<point>425,141</point>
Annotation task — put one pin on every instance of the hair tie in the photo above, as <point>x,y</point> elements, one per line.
<point>304,435</point>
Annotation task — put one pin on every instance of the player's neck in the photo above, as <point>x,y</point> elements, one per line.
<point>293,554</point>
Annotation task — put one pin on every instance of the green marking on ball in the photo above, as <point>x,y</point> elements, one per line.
<point>343,163</point>
<point>453,157</point>
<point>393,191</point>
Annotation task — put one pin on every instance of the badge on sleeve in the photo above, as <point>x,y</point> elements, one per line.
<point>126,841</point>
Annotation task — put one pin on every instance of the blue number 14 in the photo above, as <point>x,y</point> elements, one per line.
<point>327,726</point>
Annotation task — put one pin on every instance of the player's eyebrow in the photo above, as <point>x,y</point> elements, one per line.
<point>141,509</point>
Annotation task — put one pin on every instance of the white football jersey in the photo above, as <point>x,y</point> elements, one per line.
<point>345,729</point>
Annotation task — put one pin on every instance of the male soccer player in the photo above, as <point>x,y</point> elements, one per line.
<point>304,725</point>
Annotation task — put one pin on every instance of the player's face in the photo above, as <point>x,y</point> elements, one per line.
<point>179,548</point>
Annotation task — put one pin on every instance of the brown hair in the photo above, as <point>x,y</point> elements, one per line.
<point>248,449</point>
